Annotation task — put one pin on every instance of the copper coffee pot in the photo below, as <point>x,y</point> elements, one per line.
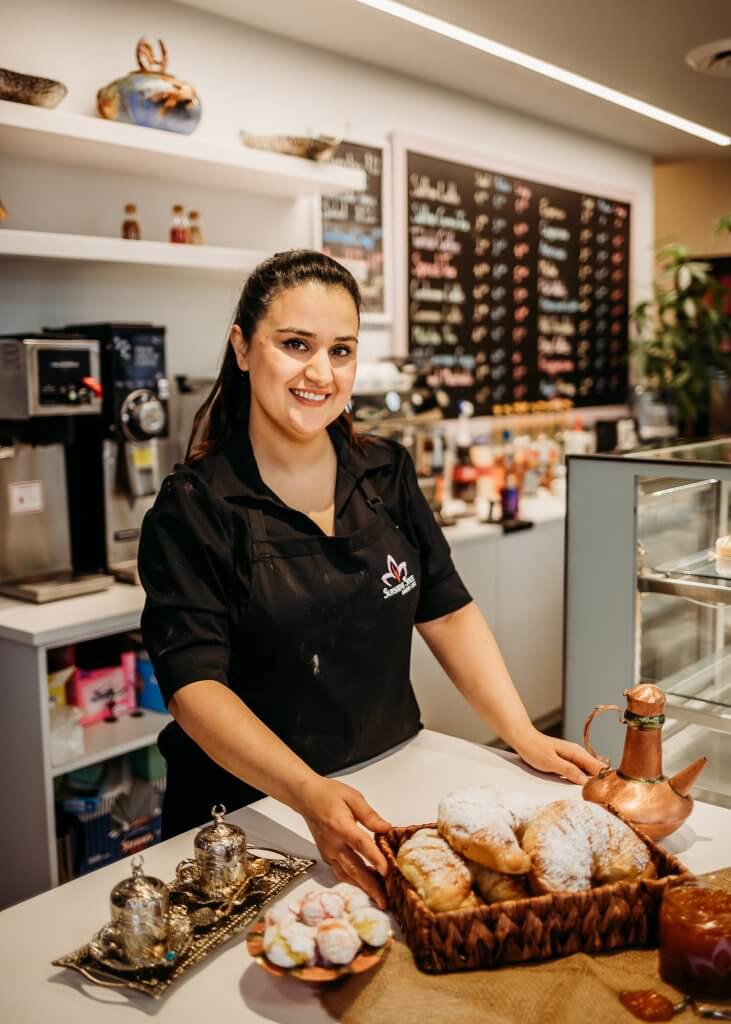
<point>638,789</point>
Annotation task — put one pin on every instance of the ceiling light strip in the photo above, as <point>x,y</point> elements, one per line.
<point>542,67</point>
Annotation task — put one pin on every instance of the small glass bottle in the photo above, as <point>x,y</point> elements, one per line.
<point>130,224</point>
<point>195,233</point>
<point>179,227</point>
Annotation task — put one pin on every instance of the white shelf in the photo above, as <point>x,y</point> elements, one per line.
<point>128,149</point>
<point>111,739</point>
<point>73,619</point>
<point>95,249</point>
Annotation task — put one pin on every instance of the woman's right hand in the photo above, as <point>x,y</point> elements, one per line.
<point>335,813</point>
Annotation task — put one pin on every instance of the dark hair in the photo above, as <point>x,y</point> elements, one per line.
<point>226,409</point>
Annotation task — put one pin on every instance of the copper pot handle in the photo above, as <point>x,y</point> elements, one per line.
<point>587,728</point>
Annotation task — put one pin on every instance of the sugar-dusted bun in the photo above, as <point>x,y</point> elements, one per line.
<point>439,875</point>
<point>485,827</point>
<point>723,556</point>
<point>723,547</point>
<point>494,886</point>
<point>337,941</point>
<point>574,843</point>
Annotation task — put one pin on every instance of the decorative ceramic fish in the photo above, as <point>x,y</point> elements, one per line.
<point>150,97</point>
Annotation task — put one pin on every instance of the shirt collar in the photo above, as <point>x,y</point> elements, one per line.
<point>235,473</point>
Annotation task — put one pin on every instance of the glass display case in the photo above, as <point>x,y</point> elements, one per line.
<point>647,599</point>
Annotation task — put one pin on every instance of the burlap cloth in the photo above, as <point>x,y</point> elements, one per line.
<point>578,989</point>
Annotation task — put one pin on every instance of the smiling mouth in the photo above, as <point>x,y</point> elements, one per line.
<point>309,397</point>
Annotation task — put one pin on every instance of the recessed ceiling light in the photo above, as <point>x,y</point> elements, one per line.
<point>542,67</point>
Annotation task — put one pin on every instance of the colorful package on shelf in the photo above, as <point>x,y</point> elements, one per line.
<point>149,696</point>
<point>100,829</point>
<point>101,691</point>
<point>57,682</point>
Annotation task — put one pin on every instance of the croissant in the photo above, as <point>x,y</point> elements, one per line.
<point>439,875</point>
<point>484,828</point>
<point>495,886</point>
<point>573,843</point>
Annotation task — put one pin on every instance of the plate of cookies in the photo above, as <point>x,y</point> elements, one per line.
<point>501,879</point>
<point>325,934</point>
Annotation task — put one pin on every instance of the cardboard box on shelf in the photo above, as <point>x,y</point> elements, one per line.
<point>104,692</point>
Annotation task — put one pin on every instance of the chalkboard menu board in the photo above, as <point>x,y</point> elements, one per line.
<point>352,224</point>
<point>517,291</point>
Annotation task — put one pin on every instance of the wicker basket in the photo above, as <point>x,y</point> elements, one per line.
<point>537,928</point>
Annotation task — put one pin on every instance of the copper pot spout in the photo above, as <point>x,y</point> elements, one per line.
<point>683,782</point>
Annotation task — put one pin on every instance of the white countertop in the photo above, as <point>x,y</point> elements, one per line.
<point>404,787</point>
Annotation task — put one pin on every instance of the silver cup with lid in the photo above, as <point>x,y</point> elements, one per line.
<point>219,866</point>
<point>140,918</point>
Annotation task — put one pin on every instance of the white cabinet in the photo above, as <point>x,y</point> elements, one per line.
<point>517,582</point>
<point>28,863</point>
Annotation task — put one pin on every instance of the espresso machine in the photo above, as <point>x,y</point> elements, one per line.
<point>117,461</point>
<point>49,385</point>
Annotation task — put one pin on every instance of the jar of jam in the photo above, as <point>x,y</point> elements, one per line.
<point>695,937</point>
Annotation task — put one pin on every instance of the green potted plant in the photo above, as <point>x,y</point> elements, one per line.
<point>684,334</point>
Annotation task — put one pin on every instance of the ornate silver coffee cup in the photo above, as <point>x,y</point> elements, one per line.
<point>140,917</point>
<point>219,866</point>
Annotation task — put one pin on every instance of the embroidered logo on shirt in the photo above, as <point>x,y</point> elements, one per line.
<point>397,580</point>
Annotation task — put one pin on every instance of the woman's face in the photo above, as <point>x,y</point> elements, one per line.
<point>301,359</point>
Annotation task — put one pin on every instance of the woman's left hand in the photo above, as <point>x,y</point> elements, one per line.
<point>549,754</point>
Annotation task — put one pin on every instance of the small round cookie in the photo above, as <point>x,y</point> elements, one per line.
<point>439,875</point>
<point>371,924</point>
<point>485,826</point>
<point>353,897</point>
<point>281,911</point>
<point>290,944</point>
<point>337,941</point>
<point>320,904</point>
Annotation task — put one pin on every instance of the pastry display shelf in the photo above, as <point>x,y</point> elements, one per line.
<point>95,249</point>
<point>693,577</point>
<point>129,149</point>
<point>701,693</point>
<point>105,740</point>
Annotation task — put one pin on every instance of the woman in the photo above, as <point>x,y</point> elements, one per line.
<point>285,566</point>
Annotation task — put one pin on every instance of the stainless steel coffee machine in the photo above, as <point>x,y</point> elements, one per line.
<point>49,384</point>
<point>115,469</point>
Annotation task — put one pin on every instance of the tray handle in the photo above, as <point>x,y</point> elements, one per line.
<point>89,974</point>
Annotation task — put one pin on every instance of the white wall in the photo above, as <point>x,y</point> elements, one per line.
<point>246,79</point>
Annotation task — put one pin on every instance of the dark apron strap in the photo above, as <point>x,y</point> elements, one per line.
<point>373,500</point>
<point>257,525</point>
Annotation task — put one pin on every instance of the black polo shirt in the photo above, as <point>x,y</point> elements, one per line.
<point>195,551</point>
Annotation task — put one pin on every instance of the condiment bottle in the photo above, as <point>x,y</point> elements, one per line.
<point>464,473</point>
<point>179,226</point>
<point>130,224</point>
<point>510,497</point>
<point>196,235</point>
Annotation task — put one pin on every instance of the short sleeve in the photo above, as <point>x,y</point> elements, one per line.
<point>442,590</point>
<point>185,562</point>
